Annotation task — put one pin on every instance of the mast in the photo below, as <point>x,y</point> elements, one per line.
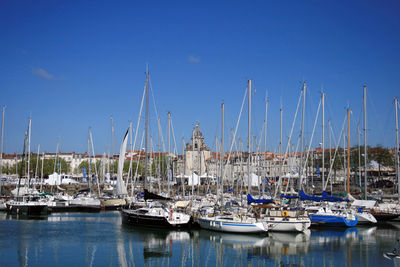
<point>193,163</point>
<point>365,143</point>
<point>280,145</point>
<point>169,149</point>
<point>216,162</point>
<point>2,145</point>
<point>265,146</point>
<point>249,140</point>
<point>22,163</point>
<point>90,161</point>
<point>95,161</point>
<point>323,139</point>
<point>301,136</point>
<point>112,145</point>
<point>348,151</point>
<point>29,151</point>
<point>41,176</point>
<point>397,146</point>
<point>222,153</point>
<point>55,159</point>
<point>37,162</point>
<point>184,167</point>
<point>330,151</point>
<point>359,155</point>
<point>146,139</point>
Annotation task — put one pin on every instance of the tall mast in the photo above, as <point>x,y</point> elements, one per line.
<point>323,139</point>
<point>216,162</point>
<point>112,145</point>
<point>359,154</point>
<point>55,159</point>
<point>365,143</point>
<point>2,142</point>
<point>184,166</point>
<point>301,136</point>
<point>2,145</point>
<point>330,151</point>
<point>41,176</point>
<point>37,162</point>
<point>146,139</point>
<point>193,164</point>
<point>397,146</point>
<point>249,140</point>
<point>280,145</point>
<point>265,146</point>
<point>90,160</point>
<point>169,149</point>
<point>348,151</point>
<point>222,152</point>
<point>29,151</point>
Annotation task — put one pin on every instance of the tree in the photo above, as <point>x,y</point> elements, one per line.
<point>85,164</point>
<point>382,156</point>
<point>48,167</point>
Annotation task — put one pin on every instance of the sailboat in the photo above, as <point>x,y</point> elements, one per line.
<point>233,221</point>
<point>85,200</point>
<point>27,204</point>
<point>117,202</point>
<point>159,212</point>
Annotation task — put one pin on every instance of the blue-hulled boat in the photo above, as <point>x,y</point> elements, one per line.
<point>325,216</point>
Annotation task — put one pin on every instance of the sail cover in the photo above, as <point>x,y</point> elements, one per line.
<point>250,200</point>
<point>150,195</point>
<point>121,188</point>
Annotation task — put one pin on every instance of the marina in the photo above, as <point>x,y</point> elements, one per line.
<point>210,133</point>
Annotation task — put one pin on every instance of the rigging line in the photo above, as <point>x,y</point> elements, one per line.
<point>161,134</point>
<point>234,135</point>
<point>137,165</point>
<point>173,138</point>
<point>156,113</point>
<point>140,115</point>
<point>290,135</point>
<point>312,136</point>
<point>334,155</point>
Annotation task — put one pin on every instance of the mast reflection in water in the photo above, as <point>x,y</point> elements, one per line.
<point>100,239</point>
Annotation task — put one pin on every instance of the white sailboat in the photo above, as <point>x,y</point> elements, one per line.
<point>115,202</point>
<point>27,204</point>
<point>233,222</point>
<point>156,213</point>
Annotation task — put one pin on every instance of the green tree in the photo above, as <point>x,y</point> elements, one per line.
<point>85,164</point>
<point>382,156</point>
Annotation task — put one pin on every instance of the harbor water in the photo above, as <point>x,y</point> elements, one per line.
<point>100,239</point>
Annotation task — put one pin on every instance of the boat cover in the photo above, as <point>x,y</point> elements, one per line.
<point>250,200</point>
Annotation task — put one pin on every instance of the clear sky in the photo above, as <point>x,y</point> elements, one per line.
<point>72,64</point>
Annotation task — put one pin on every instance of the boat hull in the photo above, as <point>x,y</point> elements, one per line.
<point>132,218</point>
<point>288,226</point>
<point>232,227</point>
<point>112,204</point>
<point>329,220</point>
<point>25,209</point>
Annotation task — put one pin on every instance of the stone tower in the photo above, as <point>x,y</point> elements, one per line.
<point>196,153</point>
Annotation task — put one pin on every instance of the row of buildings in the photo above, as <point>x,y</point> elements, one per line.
<point>199,159</point>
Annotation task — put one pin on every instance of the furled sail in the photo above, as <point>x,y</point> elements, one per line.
<point>121,188</point>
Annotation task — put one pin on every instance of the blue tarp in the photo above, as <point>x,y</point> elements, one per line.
<point>324,197</point>
<point>288,197</point>
<point>250,200</point>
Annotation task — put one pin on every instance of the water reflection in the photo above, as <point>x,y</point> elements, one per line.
<point>101,239</point>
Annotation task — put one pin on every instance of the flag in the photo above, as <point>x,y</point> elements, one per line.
<point>84,173</point>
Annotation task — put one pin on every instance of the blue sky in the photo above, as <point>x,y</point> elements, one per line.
<point>70,65</point>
